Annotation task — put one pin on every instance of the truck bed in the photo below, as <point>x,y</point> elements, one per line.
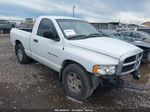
<point>25,28</point>
<point>22,36</point>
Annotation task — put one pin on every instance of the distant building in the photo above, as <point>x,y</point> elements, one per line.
<point>144,27</point>
<point>110,26</point>
<point>133,26</point>
<point>146,24</point>
<point>113,25</point>
<point>100,25</point>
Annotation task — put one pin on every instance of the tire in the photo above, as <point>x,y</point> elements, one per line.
<point>82,88</point>
<point>21,55</point>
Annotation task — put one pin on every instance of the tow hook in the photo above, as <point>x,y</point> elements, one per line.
<point>136,75</point>
<point>114,81</point>
<point>118,82</point>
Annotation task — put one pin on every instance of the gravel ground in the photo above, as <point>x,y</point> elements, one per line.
<point>36,87</point>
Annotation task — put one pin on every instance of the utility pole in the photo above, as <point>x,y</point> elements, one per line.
<point>73,11</point>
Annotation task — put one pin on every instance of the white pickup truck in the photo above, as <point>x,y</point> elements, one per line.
<point>77,51</point>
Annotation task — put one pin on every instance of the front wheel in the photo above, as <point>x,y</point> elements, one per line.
<point>76,82</point>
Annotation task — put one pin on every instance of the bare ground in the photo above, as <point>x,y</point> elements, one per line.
<point>36,87</point>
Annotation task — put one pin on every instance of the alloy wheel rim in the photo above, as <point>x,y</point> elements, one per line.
<point>20,55</point>
<point>74,83</point>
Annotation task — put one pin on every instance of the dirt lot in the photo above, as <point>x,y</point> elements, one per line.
<point>37,87</point>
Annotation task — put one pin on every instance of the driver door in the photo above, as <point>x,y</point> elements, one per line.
<point>44,49</point>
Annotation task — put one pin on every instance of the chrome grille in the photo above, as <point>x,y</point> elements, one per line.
<point>129,63</point>
<point>130,59</point>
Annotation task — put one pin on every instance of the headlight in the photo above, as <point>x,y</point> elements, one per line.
<point>104,69</point>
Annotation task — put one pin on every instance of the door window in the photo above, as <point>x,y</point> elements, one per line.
<point>135,35</point>
<point>46,25</point>
<point>126,34</point>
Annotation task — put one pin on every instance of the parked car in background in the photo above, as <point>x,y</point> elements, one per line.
<point>147,30</point>
<point>75,49</point>
<point>137,35</point>
<point>114,34</point>
<point>25,27</point>
<point>140,39</point>
<point>5,26</point>
<point>28,22</point>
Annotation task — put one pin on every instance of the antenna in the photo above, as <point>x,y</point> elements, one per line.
<point>73,8</point>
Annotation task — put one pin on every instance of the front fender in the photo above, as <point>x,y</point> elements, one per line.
<point>87,58</point>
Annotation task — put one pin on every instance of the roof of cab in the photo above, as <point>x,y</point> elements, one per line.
<point>59,17</point>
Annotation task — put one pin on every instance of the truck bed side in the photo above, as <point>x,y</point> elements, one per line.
<point>17,35</point>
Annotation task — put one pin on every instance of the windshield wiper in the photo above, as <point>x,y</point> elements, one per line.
<point>77,37</point>
<point>93,35</point>
<point>85,36</point>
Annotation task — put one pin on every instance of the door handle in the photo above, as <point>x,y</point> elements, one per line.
<point>35,40</point>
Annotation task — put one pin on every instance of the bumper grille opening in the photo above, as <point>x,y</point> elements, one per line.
<point>127,68</point>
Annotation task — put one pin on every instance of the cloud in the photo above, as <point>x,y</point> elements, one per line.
<point>91,19</point>
<point>40,5</point>
<point>96,10</point>
<point>129,17</point>
<point>64,6</point>
<point>11,18</point>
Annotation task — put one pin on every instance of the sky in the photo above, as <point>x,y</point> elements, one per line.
<point>126,11</point>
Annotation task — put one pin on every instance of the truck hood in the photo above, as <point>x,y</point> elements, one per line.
<point>104,45</point>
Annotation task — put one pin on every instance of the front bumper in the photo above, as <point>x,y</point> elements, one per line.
<point>128,64</point>
<point>99,80</point>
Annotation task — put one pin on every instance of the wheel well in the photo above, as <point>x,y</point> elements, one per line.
<point>66,63</point>
<point>17,42</point>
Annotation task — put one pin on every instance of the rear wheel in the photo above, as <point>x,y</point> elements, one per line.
<point>21,55</point>
<point>76,82</point>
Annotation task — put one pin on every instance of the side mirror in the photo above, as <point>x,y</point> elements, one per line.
<point>144,38</point>
<point>51,35</point>
<point>132,38</point>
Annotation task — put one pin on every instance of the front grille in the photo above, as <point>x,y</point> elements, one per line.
<point>130,59</point>
<point>131,63</point>
<point>140,55</point>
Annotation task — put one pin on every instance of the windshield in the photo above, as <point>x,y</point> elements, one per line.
<point>120,37</point>
<point>114,35</point>
<point>144,34</point>
<point>77,29</point>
